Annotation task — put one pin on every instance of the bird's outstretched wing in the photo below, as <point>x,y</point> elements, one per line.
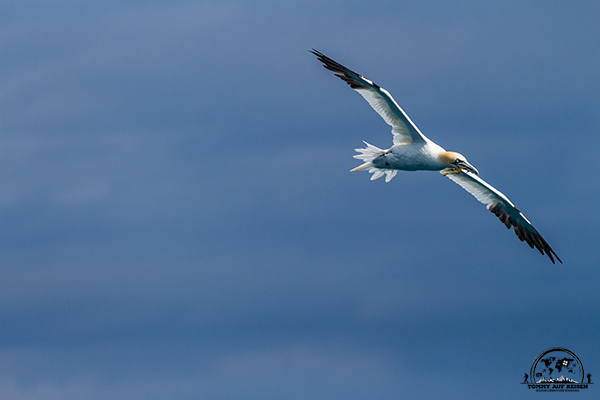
<point>404,130</point>
<point>499,204</point>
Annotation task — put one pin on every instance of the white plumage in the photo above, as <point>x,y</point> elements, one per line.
<point>413,151</point>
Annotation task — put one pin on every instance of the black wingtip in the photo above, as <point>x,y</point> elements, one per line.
<point>530,236</point>
<point>558,258</point>
<point>319,55</point>
<point>354,79</point>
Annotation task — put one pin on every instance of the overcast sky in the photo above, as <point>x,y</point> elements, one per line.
<point>178,220</point>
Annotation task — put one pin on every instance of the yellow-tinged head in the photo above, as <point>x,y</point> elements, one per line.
<point>457,160</point>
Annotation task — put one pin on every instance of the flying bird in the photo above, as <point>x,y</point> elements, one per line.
<point>413,151</point>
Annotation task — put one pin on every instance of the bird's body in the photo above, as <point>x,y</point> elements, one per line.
<point>413,151</point>
<point>412,157</point>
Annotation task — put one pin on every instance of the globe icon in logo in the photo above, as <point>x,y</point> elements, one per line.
<point>557,365</point>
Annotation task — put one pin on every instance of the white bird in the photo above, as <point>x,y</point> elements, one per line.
<point>413,151</point>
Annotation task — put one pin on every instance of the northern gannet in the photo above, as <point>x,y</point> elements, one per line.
<point>413,151</point>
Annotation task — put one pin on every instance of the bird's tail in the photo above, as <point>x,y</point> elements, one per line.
<point>368,154</point>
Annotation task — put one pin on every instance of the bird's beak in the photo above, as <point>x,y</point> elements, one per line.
<point>468,167</point>
<point>471,168</point>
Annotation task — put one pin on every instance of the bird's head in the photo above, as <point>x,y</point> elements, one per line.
<point>457,160</point>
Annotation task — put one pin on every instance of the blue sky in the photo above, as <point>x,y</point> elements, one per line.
<point>178,219</point>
